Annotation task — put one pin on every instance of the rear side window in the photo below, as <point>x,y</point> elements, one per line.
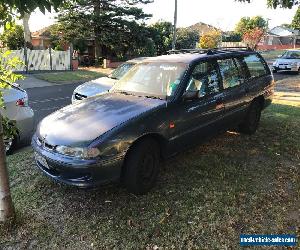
<point>255,65</point>
<point>229,73</point>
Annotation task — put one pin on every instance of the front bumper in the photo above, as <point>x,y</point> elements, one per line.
<point>77,172</point>
<point>285,68</point>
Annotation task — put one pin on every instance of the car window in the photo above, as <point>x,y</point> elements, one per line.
<point>255,65</point>
<point>204,79</point>
<point>291,55</point>
<point>157,79</point>
<point>121,70</point>
<point>229,73</point>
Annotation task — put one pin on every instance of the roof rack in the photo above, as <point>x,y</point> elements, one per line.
<point>209,51</point>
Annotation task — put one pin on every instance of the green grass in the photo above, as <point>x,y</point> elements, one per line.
<point>272,54</point>
<point>204,199</point>
<point>69,76</point>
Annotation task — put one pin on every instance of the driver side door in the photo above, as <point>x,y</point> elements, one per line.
<point>202,116</point>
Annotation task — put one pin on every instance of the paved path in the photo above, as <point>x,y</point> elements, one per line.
<point>31,82</point>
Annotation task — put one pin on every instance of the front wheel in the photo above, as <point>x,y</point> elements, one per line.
<point>251,122</point>
<point>142,166</point>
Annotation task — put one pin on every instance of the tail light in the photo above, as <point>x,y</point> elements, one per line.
<point>23,102</point>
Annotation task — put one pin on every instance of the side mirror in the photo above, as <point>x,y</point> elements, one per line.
<point>190,95</point>
<point>279,56</point>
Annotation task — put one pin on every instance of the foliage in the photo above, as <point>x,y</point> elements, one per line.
<point>7,6</point>
<point>296,20</point>
<point>246,24</point>
<point>210,39</point>
<point>231,36</point>
<point>13,38</point>
<point>253,37</point>
<point>186,38</point>
<point>7,77</point>
<point>161,33</point>
<point>116,25</point>
<point>278,3</point>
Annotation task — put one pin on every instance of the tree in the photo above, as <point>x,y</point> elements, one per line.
<point>253,37</point>
<point>210,39</point>
<point>278,3</point>
<point>296,20</point>
<point>110,21</point>
<point>6,9</point>
<point>246,24</point>
<point>231,36</point>
<point>161,33</point>
<point>13,37</point>
<point>186,38</point>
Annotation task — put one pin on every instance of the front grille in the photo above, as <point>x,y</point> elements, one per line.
<point>44,144</point>
<point>79,96</point>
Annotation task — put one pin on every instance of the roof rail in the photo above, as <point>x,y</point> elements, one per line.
<point>208,51</point>
<point>234,48</point>
<point>189,51</point>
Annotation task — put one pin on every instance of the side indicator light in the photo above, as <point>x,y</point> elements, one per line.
<point>172,125</point>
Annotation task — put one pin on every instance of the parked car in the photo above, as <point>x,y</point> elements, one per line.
<point>289,61</point>
<point>103,84</point>
<point>159,108</point>
<point>20,115</point>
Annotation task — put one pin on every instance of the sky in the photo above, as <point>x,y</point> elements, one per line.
<point>223,14</point>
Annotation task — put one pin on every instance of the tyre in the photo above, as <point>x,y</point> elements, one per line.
<point>274,71</point>
<point>142,166</point>
<point>251,122</point>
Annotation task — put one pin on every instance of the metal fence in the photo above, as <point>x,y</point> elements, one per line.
<point>42,60</point>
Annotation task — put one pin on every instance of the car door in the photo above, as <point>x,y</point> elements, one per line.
<point>235,89</point>
<point>195,119</point>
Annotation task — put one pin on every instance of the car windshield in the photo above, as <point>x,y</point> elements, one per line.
<point>291,55</point>
<point>152,79</point>
<point>121,70</point>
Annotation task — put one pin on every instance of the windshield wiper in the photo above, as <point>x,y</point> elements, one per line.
<point>124,93</point>
<point>153,97</point>
<point>112,77</point>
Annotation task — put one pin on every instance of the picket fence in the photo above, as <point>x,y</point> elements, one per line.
<point>41,60</point>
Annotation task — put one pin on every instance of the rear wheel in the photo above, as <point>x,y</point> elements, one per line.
<point>251,122</point>
<point>142,166</point>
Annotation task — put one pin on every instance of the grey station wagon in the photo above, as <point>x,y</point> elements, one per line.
<point>159,108</point>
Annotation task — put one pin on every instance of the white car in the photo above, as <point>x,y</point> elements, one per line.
<point>103,84</point>
<point>17,110</point>
<point>289,61</point>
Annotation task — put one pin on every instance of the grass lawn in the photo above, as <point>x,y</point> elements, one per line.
<point>272,54</point>
<point>204,199</point>
<point>69,76</point>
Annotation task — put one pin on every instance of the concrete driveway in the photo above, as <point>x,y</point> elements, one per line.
<point>31,82</point>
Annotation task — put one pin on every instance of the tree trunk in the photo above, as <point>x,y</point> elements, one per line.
<point>97,32</point>
<point>27,34</point>
<point>6,206</point>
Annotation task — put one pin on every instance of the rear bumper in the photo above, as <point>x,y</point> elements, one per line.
<point>25,123</point>
<point>78,172</point>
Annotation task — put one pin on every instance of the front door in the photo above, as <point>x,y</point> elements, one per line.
<point>197,118</point>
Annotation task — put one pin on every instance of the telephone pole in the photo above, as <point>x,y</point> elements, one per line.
<point>175,27</point>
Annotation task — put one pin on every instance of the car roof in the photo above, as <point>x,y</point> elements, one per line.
<point>137,60</point>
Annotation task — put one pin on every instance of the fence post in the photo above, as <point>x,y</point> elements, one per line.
<point>50,54</point>
<point>71,56</point>
<point>26,58</point>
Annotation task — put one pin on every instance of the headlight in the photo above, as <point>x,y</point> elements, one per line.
<point>84,153</point>
<point>294,64</point>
